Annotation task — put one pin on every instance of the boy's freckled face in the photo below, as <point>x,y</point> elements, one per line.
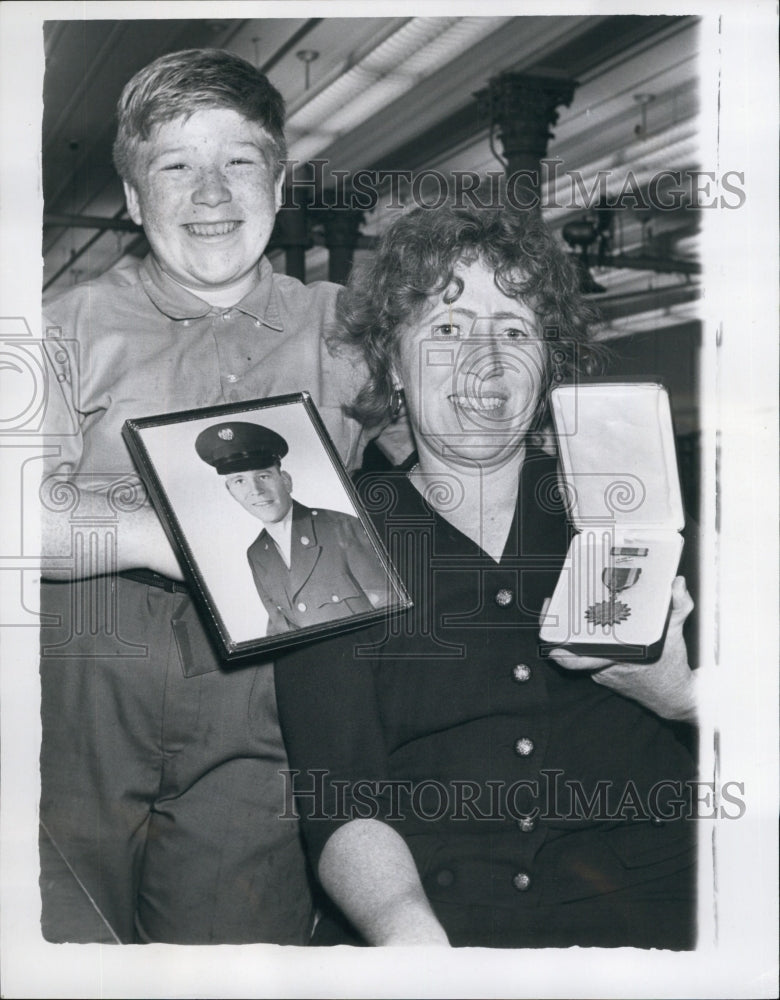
<point>206,192</point>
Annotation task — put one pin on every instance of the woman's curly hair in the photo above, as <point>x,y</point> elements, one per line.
<point>416,258</point>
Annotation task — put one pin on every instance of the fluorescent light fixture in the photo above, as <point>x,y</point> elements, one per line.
<point>416,51</point>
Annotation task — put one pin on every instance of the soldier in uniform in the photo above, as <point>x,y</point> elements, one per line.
<point>310,566</point>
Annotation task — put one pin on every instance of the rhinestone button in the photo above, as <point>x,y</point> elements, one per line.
<point>522,881</point>
<point>504,598</point>
<point>524,747</point>
<point>527,824</point>
<point>521,672</point>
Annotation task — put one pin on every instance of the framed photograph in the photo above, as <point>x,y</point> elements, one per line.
<point>270,534</point>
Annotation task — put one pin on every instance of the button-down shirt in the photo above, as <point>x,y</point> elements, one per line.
<point>134,343</point>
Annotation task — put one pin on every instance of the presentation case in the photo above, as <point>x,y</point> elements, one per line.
<point>619,476</point>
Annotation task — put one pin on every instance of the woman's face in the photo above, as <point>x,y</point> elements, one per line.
<point>473,372</point>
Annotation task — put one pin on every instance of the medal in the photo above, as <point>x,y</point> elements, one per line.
<point>607,613</point>
<point>612,612</point>
<point>617,578</point>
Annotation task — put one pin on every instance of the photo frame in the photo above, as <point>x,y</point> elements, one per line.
<point>272,539</point>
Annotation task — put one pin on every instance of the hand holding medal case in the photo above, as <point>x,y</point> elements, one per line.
<point>620,481</point>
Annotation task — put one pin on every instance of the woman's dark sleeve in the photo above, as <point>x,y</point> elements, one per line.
<point>332,730</point>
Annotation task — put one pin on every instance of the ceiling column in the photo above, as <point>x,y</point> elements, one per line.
<point>520,109</point>
<point>342,226</point>
<point>292,235</point>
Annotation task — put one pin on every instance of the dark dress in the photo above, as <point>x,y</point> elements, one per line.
<point>542,809</point>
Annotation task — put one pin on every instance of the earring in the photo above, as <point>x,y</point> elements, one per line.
<point>396,401</point>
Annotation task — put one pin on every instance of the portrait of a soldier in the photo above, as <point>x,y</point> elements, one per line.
<point>310,565</point>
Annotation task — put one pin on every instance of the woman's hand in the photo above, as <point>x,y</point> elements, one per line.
<point>667,685</point>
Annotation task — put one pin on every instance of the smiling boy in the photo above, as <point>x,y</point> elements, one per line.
<point>159,768</point>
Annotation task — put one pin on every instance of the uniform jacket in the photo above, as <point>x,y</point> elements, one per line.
<point>334,571</point>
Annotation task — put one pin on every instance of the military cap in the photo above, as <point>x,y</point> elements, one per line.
<point>238,446</point>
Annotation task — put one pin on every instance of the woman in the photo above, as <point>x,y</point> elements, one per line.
<point>456,787</point>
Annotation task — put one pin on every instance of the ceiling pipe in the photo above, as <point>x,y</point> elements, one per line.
<point>291,42</point>
<point>661,265</point>
<point>632,303</point>
<point>81,251</point>
<point>633,262</point>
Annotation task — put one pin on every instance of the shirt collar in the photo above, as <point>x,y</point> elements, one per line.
<point>178,303</point>
<point>281,532</point>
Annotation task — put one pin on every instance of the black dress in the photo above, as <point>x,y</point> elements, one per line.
<point>542,809</point>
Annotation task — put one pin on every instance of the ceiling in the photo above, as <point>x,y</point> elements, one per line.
<point>393,94</point>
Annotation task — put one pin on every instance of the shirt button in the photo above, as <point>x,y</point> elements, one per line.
<point>227,314</point>
<point>187,322</point>
<point>231,378</point>
<point>301,606</point>
<point>521,672</point>
<point>504,597</point>
<point>522,881</point>
<point>527,824</point>
<point>445,878</point>
<point>61,377</point>
<point>524,747</point>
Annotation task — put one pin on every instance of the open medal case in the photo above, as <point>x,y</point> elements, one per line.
<point>619,476</point>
